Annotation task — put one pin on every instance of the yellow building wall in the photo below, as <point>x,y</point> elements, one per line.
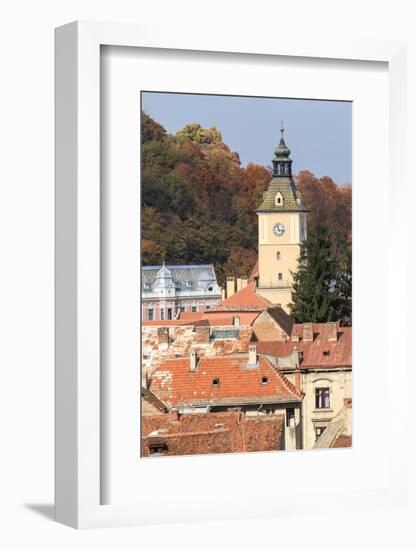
<point>339,383</point>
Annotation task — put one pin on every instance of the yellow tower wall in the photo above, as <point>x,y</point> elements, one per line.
<point>269,285</point>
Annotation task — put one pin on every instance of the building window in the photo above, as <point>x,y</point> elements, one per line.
<point>265,380</point>
<point>216,382</point>
<point>278,199</point>
<point>150,314</point>
<point>193,308</point>
<point>319,430</point>
<point>326,353</point>
<point>189,284</point>
<point>322,398</point>
<point>279,276</point>
<point>182,309</point>
<point>289,415</point>
<point>169,313</point>
<point>162,314</point>
<point>146,286</point>
<point>278,255</point>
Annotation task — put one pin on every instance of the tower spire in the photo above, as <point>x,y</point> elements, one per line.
<point>281,164</point>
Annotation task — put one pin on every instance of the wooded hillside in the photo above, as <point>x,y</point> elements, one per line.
<point>198,202</point>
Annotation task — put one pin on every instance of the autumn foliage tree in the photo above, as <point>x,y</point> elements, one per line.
<point>198,203</point>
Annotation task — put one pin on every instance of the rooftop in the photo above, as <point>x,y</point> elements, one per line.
<point>318,353</point>
<point>222,432</point>
<point>176,385</point>
<point>246,298</point>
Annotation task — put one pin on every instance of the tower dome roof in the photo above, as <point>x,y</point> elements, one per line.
<point>281,150</point>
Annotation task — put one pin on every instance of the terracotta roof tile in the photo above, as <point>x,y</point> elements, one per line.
<point>176,385</point>
<point>221,432</point>
<point>318,353</point>
<point>246,297</point>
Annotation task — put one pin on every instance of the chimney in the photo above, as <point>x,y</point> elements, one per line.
<point>230,286</point>
<point>223,294</point>
<point>163,335</point>
<point>253,357</point>
<point>332,332</point>
<point>238,284</point>
<point>308,332</point>
<point>236,321</point>
<point>193,361</point>
<point>244,282</point>
<point>202,334</point>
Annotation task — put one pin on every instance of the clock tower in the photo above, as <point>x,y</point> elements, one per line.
<point>282,227</point>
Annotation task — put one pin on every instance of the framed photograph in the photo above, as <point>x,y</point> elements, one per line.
<point>225,234</point>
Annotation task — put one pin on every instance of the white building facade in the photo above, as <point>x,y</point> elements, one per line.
<point>168,290</point>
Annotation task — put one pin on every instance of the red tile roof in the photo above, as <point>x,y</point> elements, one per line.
<point>221,432</point>
<point>176,385</point>
<point>246,297</point>
<point>318,353</point>
<point>343,441</point>
<point>191,315</point>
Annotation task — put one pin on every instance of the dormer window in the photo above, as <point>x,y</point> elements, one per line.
<point>279,201</point>
<point>216,382</point>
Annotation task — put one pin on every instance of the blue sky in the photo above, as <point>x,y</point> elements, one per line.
<point>319,133</point>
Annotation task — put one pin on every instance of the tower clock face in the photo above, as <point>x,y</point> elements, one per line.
<point>278,229</point>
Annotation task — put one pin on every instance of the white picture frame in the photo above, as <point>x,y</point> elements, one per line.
<point>78,260</point>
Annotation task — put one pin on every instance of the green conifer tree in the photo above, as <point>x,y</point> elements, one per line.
<point>315,292</point>
<point>344,286</point>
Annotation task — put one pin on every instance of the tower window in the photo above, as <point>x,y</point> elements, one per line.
<point>279,199</point>
<point>216,382</point>
<point>278,255</point>
<point>265,380</point>
<point>279,276</point>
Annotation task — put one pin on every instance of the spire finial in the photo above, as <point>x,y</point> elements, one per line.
<point>282,129</point>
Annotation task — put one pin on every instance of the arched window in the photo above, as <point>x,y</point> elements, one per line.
<point>278,255</point>
<point>279,199</point>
